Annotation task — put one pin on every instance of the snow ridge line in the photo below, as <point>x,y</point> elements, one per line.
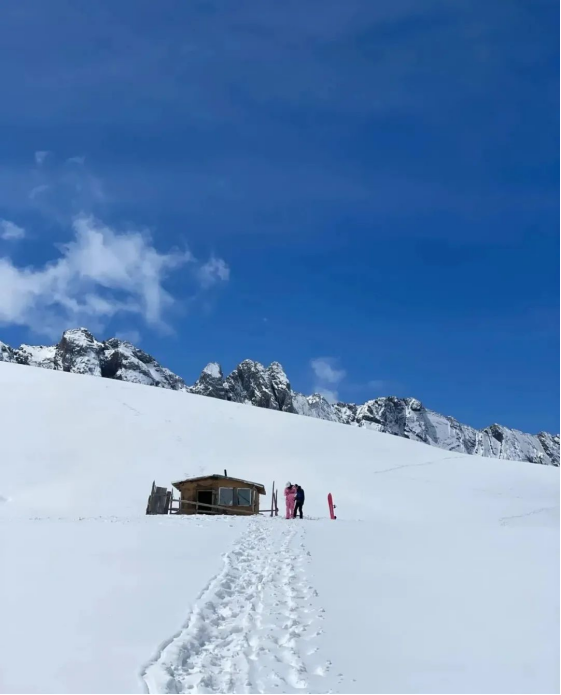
<point>254,629</point>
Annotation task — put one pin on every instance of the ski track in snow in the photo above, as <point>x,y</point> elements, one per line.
<point>255,627</point>
<point>505,519</point>
<point>414,465</point>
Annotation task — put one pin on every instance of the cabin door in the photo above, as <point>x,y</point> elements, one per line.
<point>204,497</point>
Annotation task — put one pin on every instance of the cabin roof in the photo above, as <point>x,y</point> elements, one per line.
<point>260,488</point>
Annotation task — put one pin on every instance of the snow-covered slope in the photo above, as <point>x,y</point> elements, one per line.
<point>269,387</point>
<point>441,573</point>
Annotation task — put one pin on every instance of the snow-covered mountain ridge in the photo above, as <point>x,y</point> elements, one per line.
<point>269,387</point>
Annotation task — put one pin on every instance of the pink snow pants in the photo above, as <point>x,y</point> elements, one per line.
<point>290,500</point>
<point>290,497</point>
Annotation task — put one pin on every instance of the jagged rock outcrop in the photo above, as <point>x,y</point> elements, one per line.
<point>36,355</point>
<point>550,444</point>
<point>407,417</point>
<point>251,382</point>
<point>211,382</point>
<point>7,354</point>
<point>269,387</point>
<point>80,353</point>
<point>505,443</point>
<point>315,406</point>
<point>280,387</point>
<point>123,361</point>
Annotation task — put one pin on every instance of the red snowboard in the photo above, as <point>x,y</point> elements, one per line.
<point>331,506</point>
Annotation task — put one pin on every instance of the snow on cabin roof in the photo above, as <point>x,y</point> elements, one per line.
<point>215,476</point>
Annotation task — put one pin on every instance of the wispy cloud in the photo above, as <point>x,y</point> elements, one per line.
<point>325,370</point>
<point>99,274</point>
<point>9,231</point>
<point>327,377</point>
<point>37,190</point>
<point>64,188</point>
<point>215,270</point>
<point>41,156</point>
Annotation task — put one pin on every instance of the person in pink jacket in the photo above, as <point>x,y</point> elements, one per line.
<point>290,495</point>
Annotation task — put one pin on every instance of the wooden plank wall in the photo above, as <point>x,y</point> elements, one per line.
<point>189,491</point>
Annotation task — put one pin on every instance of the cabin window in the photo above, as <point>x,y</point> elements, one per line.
<point>226,496</point>
<point>234,497</point>
<point>244,496</point>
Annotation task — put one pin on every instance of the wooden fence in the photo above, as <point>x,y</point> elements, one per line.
<point>159,501</point>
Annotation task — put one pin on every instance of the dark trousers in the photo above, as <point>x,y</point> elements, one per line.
<point>298,508</point>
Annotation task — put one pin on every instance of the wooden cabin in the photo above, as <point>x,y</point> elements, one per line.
<point>218,494</point>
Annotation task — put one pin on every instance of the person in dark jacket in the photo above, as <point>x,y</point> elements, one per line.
<point>300,497</point>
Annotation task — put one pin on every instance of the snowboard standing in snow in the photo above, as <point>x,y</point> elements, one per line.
<point>331,506</point>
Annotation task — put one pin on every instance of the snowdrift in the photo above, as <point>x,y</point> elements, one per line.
<point>441,573</point>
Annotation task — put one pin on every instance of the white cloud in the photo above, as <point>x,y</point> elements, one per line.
<point>76,160</point>
<point>9,231</point>
<point>40,156</point>
<point>327,376</point>
<point>37,190</point>
<point>213,271</point>
<point>325,370</point>
<point>99,274</point>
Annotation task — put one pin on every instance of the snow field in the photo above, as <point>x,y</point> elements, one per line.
<point>441,573</point>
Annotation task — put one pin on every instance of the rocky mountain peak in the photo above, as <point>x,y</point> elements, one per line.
<point>79,337</point>
<point>214,370</point>
<point>280,387</point>
<point>211,382</point>
<point>250,382</point>
<point>79,352</point>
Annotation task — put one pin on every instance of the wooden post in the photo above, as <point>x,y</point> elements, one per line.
<point>149,503</point>
<point>273,498</point>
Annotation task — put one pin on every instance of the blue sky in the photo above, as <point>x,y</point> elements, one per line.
<point>369,184</point>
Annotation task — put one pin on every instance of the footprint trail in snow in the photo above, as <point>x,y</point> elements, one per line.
<point>256,626</point>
